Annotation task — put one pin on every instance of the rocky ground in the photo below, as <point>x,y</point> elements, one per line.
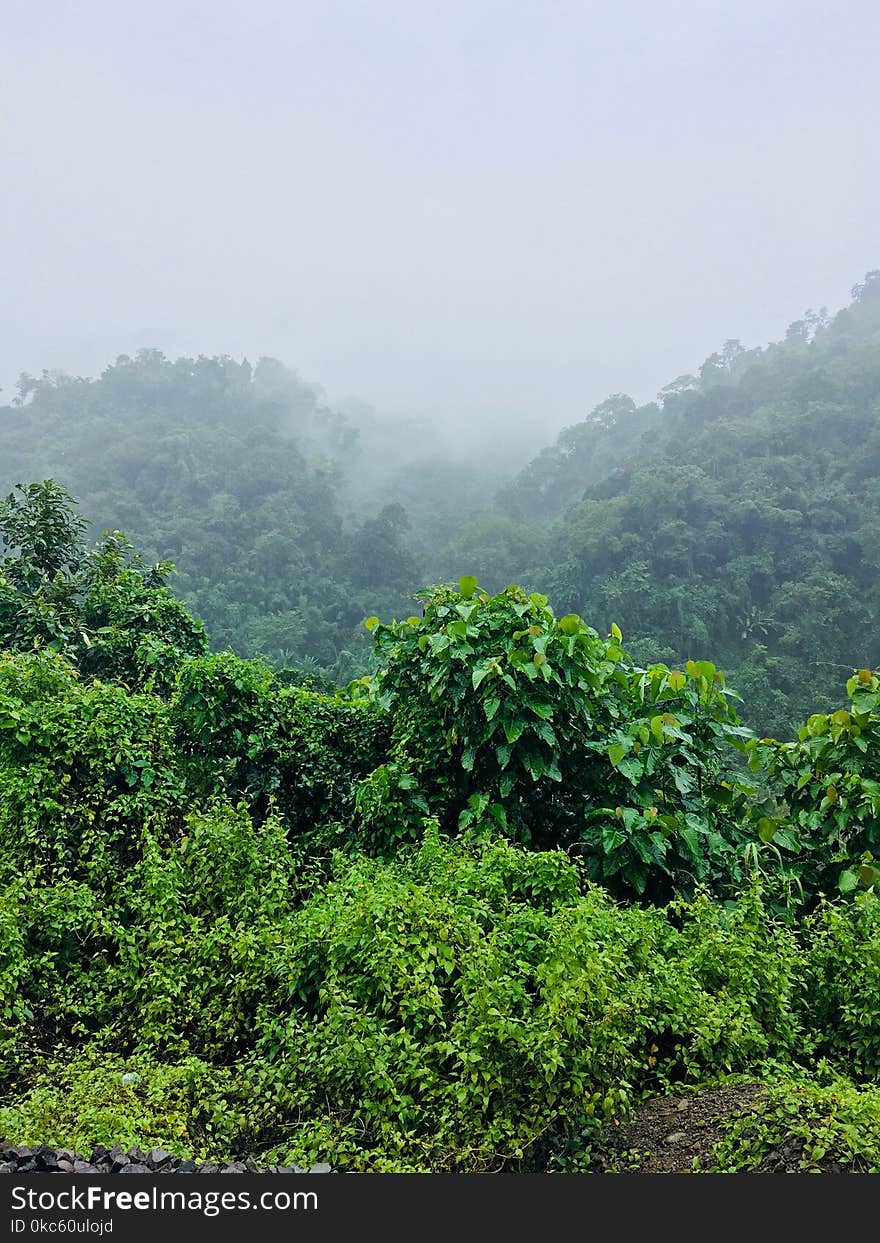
<point>43,1160</point>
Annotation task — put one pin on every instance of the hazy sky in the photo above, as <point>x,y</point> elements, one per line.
<point>470,206</point>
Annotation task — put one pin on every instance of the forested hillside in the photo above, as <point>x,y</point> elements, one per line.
<point>739,514</point>
<point>233,472</point>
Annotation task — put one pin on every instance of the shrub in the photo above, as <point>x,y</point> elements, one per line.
<point>497,704</point>
<point>838,982</point>
<point>807,1127</point>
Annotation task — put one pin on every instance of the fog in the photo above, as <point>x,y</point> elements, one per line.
<point>474,211</point>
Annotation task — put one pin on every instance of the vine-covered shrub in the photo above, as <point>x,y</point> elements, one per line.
<point>242,734</point>
<point>809,1128</point>
<point>84,766</point>
<point>451,1009</point>
<point>839,982</point>
<point>823,805</point>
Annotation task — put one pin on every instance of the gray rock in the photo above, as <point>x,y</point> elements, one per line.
<point>677,1137</point>
<point>321,1168</point>
<point>135,1167</point>
<point>159,1157</point>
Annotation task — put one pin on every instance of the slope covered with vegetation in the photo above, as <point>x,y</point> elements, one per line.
<point>459,915</point>
<point>234,471</point>
<point>737,515</point>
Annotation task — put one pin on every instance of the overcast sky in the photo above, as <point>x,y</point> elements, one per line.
<point>470,207</point>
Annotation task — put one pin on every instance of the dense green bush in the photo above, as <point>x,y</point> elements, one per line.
<point>811,1126</point>
<point>241,733</point>
<point>499,709</point>
<point>104,609</point>
<point>187,1107</point>
<point>824,792</point>
<point>839,982</point>
<point>84,766</point>
<point>451,1009</point>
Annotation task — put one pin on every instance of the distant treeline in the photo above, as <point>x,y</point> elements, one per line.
<point>739,514</point>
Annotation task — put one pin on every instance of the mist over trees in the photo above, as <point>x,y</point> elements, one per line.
<point>737,514</point>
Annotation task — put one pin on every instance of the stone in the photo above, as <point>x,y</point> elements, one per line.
<point>677,1137</point>
<point>321,1168</point>
<point>159,1157</point>
<point>135,1167</point>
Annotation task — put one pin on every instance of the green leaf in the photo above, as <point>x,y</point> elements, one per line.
<point>632,769</point>
<point>691,839</point>
<point>767,828</point>
<point>467,586</point>
<point>616,753</point>
<point>848,881</point>
<point>513,730</point>
<point>534,764</point>
<point>569,624</point>
<point>371,623</point>
<point>684,782</point>
<point>491,706</point>
<point>787,841</point>
<point>477,676</point>
<point>868,875</point>
<point>612,838</point>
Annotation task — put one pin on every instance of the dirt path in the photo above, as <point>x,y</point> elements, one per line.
<point>667,1133</point>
